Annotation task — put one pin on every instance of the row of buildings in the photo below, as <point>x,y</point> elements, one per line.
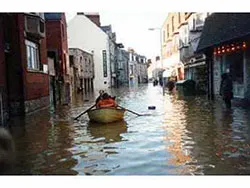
<point>203,46</point>
<point>114,66</point>
<point>45,61</point>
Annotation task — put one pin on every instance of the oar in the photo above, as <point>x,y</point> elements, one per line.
<point>84,112</point>
<point>133,111</point>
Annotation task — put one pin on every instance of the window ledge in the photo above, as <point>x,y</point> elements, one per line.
<point>35,71</point>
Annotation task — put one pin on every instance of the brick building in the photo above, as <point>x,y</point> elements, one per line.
<point>57,48</point>
<point>82,69</point>
<point>23,63</point>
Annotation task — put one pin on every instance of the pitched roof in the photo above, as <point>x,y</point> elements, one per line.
<point>223,27</point>
<point>53,16</point>
<point>106,28</point>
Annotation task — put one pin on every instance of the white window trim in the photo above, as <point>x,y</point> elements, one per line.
<point>34,53</point>
<point>202,16</point>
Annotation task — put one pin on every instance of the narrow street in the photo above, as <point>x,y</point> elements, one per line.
<point>189,136</point>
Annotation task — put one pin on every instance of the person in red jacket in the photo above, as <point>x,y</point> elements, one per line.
<point>106,101</point>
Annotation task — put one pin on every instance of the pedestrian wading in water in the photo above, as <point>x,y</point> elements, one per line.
<point>226,89</point>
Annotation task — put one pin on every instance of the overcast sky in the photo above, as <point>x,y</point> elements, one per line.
<point>131,28</point>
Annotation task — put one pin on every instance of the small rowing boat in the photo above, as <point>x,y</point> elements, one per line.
<point>106,115</point>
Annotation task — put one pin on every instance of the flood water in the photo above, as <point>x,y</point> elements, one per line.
<point>182,136</point>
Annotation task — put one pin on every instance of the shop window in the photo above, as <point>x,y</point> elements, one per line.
<point>234,63</point>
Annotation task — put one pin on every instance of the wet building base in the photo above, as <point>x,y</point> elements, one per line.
<point>36,104</point>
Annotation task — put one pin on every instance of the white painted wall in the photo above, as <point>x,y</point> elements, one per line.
<point>84,34</point>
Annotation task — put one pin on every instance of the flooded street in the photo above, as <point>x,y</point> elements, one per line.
<point>190,136</point>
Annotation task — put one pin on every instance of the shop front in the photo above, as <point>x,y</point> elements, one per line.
<point>174,64</point>
<point>231,58</point>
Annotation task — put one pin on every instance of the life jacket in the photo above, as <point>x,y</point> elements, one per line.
<point>106,103</point>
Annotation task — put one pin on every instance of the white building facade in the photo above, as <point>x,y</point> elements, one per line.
<point>87,36</point>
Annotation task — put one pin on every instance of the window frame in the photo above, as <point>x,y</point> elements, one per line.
<point>33,56</point>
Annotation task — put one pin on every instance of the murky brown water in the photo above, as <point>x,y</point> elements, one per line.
<point>182,136</point>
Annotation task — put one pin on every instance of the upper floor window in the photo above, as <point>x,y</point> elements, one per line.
<point>200,18</point>
<point>32,51</point>
<point>167,31</point>
<point>164,36</point>
<point>173,24</point>
<point>71,60</point>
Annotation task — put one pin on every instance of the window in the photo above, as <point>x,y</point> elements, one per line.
<point>131,71</point>
<point>167,31</point>
<point>234,62</point>
<point>105,69</point>
<point>32,55</point>
<point>164,37</point>
<point>186,35</point>
<point>71,60</point>
<point>179,16</point>
<point>200,18</point>
<point>65,62</point>
<point>173,24</point>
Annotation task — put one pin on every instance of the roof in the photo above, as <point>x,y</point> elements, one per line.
<point>53,16</point>
<point>223,27</point>
<point>106,28</point>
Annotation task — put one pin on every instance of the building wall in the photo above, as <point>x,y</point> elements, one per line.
<point>169,30</point>
<point>170,42</point>
<point>56,35</point>
<point>83,62</point>
<point>123,58</point>
<point>3,89</point>
<point>57,41</point>
<point>2,64</point>
<point>84,34</point>
<point>24,86</point>
<point>36,84</point>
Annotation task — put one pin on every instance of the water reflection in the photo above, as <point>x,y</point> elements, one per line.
<point>111,132</point>
<point>42,147</point>
<point>182,136</point>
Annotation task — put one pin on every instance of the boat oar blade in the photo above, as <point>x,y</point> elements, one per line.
<point>133,111</point>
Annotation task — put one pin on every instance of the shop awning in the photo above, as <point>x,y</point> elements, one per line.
<point>223,27</point>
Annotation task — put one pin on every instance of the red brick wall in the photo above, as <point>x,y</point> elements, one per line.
<point>56,35</point>
<point>14,71</point>
<point>36,84</point>
<point>95,19</point>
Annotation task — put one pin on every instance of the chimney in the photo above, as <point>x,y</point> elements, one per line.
<point>94,17</point>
